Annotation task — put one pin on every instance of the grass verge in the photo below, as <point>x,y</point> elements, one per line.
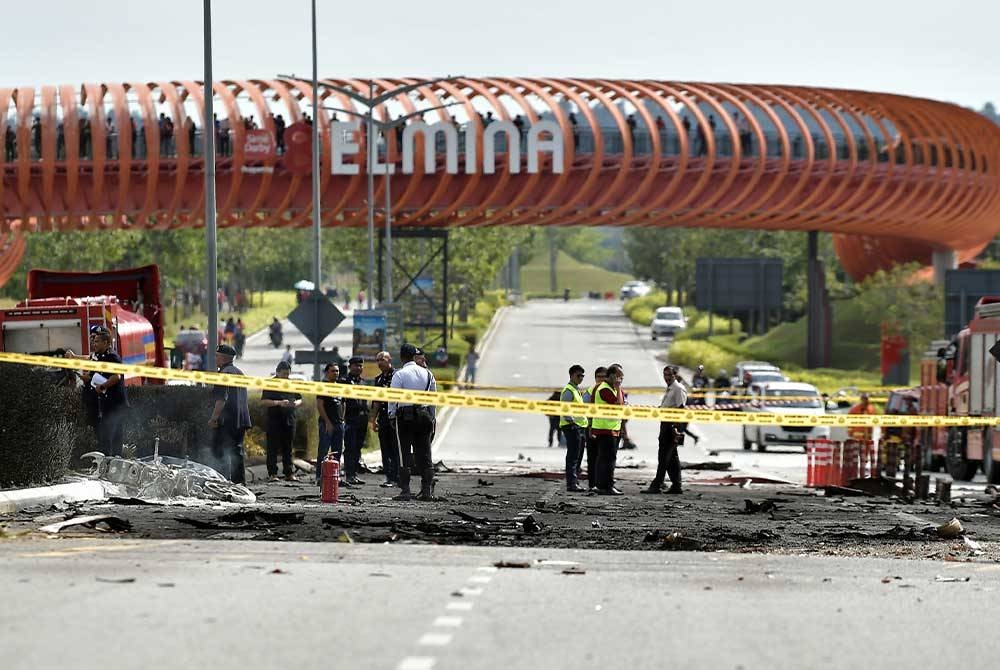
<point>579,278</point>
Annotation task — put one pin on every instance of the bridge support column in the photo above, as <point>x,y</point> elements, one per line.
<point>943,260</point>
<point>818,309</point>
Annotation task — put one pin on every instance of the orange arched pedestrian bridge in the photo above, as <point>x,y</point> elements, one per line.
<point>895,178</point>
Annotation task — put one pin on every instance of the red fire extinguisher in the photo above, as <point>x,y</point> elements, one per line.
<point>330,491</point>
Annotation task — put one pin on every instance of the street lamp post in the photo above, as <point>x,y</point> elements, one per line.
<point>212,260</point>
<point>370,102</point>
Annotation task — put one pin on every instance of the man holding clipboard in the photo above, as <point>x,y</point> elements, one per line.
<point>112,401</point>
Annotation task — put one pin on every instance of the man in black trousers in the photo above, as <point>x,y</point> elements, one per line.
<point>667,461</point>
<point>414,425</point>
<point>230,419</point>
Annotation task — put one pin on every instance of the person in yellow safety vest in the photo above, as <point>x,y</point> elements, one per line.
<point>862,433</point>
<point>606,431</point>
<point>572,427</point>
<point>600,374</point>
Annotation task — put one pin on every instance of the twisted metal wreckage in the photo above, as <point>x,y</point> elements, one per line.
<point>159,478</point>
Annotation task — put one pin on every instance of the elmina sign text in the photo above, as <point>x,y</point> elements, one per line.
<point>543,136</point>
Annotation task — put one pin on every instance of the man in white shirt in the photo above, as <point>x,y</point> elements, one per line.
<point>414,425</point>
<point>667,460</point>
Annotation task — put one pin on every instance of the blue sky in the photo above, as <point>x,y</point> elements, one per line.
<point>941,50</point>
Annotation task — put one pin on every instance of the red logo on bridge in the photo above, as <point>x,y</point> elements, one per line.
<point>259,145</point>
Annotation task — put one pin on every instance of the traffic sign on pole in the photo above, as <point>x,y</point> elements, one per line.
<point>316,317</point>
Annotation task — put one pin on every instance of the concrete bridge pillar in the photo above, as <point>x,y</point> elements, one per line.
<point>943,260</point>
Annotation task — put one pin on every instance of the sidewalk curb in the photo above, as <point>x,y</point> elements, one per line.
<point>12,501</point>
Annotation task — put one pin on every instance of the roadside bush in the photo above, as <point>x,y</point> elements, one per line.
<point>306,441</point>
<point>178,415</point>
<point>697,325</point>
<point>36,432</point>
<point>691,353</point>
<point>640,310</point>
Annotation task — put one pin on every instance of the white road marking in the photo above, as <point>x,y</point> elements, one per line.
<point>459,606</point>
<point>468,591</point>
<point>435,639</point>
<point>417,663</point>
<point>488,568</point>
<point>480,580</point>
<point>448,621</point>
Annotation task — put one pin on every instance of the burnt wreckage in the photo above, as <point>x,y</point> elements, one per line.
<point>165,477</point>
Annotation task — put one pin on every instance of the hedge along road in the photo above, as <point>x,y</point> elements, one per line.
<point>460,400</point>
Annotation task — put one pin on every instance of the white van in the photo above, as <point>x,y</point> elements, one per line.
<point>783,398</point>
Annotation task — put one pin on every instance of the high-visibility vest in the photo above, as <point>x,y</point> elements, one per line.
<point>604,424</point>
<point>567,420</point>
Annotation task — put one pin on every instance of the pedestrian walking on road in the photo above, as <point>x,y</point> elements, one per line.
<point>230,419</point>
<point>280,425</point>
<point>554,419</point>
<point>471,363</point>
<point>287,356</point>
<point>414,425</point>
<point>573,428</point>
<point>331,423</point>
<point>607,431</point>
<point>355,423</point>
<point>383,425</point>
<point>667,461</point>
<point>600,375</point>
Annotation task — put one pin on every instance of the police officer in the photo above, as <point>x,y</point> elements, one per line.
<point>414,425</point>
<point>383,425</point>
<point>600,375</point>
<point>572,427</point>
<point>280,425</point>
<point>230,418</point>
<point>104,395</point>
<point>355,423</point>
<point>667,461</point>
<point>331,423</point>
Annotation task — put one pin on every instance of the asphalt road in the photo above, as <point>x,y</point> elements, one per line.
<point>85,603</point>
<point>534,345</point>
<point>260,358</point>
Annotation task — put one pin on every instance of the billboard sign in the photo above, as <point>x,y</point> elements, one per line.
<point>369,333</point>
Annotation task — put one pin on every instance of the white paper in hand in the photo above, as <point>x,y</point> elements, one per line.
<point>98,379</point>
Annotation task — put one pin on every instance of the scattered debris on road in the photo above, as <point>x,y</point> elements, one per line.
<point>112,523</point>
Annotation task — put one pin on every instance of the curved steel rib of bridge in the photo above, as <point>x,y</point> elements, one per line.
<point>893,177</point>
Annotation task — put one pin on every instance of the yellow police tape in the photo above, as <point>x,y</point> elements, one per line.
<point>461,400</point>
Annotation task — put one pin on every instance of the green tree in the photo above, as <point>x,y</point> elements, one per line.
<point>904,303</point>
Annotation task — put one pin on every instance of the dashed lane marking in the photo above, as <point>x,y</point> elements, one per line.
<point>435,639</point>
<point>448,621</point>
<point>459,606</point>
<point>480,580</point>
<point>417,663</point>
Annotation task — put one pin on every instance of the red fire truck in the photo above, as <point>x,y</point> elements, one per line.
<point>61,308</point>
<point>960,379</point>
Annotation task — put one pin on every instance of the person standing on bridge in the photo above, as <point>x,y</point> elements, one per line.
<point>667,461</point>
<point>414,425</point>
<point>572,427</point>
<point>230,419</point>
<point>607,431</point>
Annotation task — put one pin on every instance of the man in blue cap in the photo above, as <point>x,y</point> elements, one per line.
<point>355,423</point>
<point>230,419</point>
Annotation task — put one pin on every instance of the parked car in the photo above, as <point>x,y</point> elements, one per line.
<point>784,398</point>
<point>667,321</point>
<point>634,289</point>
<point>766,372</point>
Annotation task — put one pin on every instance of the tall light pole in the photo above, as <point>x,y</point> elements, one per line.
<point>317,275</point>
<point>370,102</point>
<point>212,258</point>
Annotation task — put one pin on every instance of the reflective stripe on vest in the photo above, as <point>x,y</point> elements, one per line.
<point>567,420</point>
<point>604,424</point>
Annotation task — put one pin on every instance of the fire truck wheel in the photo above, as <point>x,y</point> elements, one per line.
<point>959,467</point>
<point>747,444</point>
<point>990,467</point>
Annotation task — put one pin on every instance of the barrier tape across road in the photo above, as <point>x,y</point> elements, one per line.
<point>462,400</point>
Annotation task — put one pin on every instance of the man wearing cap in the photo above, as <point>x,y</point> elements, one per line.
<point>230,419</point>
<point>106,400</point>
<point>280,425</point>
<point>331,423</point>
<point>414,425</point>
<point>355,423</point>
<point>383,425</point>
